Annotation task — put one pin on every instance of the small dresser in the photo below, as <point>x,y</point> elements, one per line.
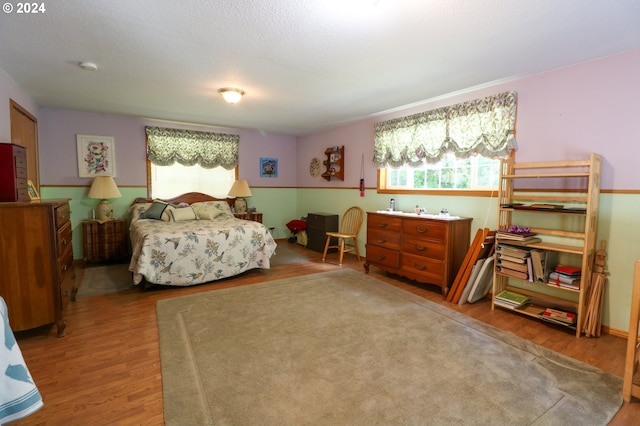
<point>423,249</point>
<point>318,224</point>
<point>106,241</point>
<point>38,278</point>
<point>13,173</point>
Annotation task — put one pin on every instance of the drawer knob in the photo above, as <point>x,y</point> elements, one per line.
<point>381,257</point>
<point>421,229</point>
<point>64,241</point>
<point>64,267</point>
<point>381,240</point>
<point>421,248</point>
<point>382,224</point>
<point>420,267</point>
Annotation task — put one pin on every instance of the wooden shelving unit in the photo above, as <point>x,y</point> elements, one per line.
<point>334,164</point>
<point>569,231</point>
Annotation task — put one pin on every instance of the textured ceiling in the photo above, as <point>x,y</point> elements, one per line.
<point>305,65</point>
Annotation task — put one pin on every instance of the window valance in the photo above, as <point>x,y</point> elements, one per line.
<point>189,147</point>
<point>482,126</point>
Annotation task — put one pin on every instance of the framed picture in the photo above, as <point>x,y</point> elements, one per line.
<point>268,167</point>
<point>33,192</point>
<point>96,156</point>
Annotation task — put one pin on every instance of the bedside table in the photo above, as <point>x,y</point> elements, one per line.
<point>256,217</point>
<point>105,242</point>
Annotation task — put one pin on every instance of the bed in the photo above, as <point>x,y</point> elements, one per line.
<point>192,239</point>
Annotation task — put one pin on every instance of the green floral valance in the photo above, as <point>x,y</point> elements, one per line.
<point>482,126</point>
<point>189,147</point>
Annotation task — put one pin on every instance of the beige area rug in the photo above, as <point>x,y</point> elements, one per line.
<point>342,348</point>
<point>105,279</point>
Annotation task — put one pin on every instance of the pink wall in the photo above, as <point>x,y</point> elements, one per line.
<point>58,155</point>
<point>562,114</point>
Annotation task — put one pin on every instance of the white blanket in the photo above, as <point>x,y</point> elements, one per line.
<point>19,395</point>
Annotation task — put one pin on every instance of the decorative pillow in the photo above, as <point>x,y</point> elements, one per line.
<point>212,209</point>
<point>185,213</point>
<point>155,211</point>
<point>137,210</point>
<point>166,214</point>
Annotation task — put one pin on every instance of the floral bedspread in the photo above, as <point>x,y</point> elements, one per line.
<point>197,251</point>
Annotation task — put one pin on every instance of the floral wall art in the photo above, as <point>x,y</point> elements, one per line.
<point>96,156</point>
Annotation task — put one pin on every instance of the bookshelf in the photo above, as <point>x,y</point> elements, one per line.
<point>568,228</point>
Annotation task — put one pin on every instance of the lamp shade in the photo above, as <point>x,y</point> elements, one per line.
<point>240,188</point>
<point>231,94</point>
<point>104,187</point>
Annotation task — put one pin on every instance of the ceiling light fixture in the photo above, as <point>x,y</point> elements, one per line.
<point>231,94</point>
<point>88,66</point>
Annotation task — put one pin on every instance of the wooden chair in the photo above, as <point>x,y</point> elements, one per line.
<point>349,227</point>
<point>629,388</point>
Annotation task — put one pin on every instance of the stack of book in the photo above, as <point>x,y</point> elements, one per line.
<point>558,316</point>
<point>511,299</point>
<point>514,261</point>
<point>519,237</point>
<point>566,276</point>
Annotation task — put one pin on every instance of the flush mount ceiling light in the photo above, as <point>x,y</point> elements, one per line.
<point>88,66</point>
<point>231,94</point>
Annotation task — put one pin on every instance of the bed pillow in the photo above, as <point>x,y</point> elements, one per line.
<point>181,214</point>
<point>155,211</point>
<point>210,210</point>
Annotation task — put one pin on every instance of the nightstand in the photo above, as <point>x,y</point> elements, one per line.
<point>105,242</point>
<point>256,217</point>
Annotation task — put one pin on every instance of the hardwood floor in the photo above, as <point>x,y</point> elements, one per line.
<point>106,370</point>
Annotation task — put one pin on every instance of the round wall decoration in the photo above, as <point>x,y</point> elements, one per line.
<point>314,167</point>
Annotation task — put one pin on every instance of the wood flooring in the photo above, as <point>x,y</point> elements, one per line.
<point>106,370</point>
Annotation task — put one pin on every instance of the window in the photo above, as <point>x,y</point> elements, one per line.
<point>456,147</point>
<point>475,173</point>
<point>190,161</point>
<point>176,179</point>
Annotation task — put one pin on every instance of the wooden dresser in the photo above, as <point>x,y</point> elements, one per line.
<point>13,173</point>
<point>423,249</point>
<point>38,278</point>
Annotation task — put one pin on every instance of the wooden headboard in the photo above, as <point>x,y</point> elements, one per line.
<point>189,198</point>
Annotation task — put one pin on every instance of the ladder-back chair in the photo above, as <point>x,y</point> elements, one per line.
<point>347,235</point>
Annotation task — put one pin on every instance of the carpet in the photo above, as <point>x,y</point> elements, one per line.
<point>342,348</point>
<point>105,279</point>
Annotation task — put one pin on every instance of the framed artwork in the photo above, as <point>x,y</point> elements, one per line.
<point>268,167</point>
<point>96,156</point>
<point>33,192</point>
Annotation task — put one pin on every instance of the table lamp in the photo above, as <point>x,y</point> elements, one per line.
<point>102,188</point>
<point>240,189</point>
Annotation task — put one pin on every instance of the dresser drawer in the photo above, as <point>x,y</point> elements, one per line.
<point>67,288</point>
<point>64,237</point>
<point>383,238</point>
<point>432,270</point>
<point>384,222</point>
<point>21,173</point>
<point>383,256</point>
<point>424,228</point>
<point>65,263</point>
<point>423,247</point>
<point>63,215</point>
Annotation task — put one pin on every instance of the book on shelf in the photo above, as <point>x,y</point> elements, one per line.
<point>504,304</point>
<point>564,282</point>
<point>512,272</point>
<point>568,270</point>
<point>513,251</point>
<point>514,259</point>
<point>515,266</point>
<point>523,238</point>
<point>558,315</point>
<point>543,261</point>
<point>511,298</point>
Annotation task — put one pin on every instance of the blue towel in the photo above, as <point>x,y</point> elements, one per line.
<point>19,395</point>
